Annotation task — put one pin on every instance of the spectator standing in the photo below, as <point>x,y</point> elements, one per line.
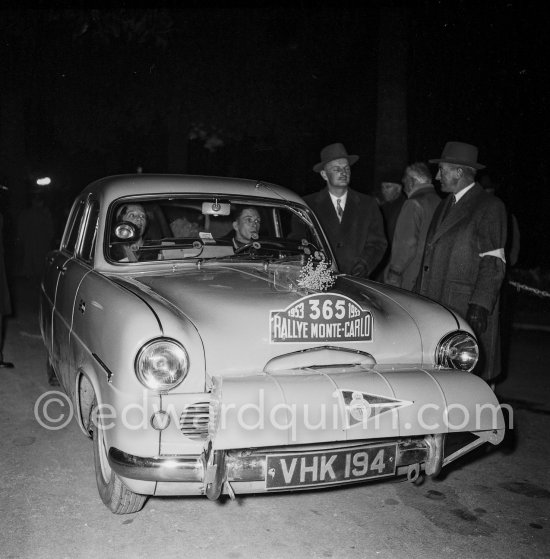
<point>5,300</point>
<point>464,263</point>
<point>351,220</point>
<point>412,227</point>
<point>391,200</point>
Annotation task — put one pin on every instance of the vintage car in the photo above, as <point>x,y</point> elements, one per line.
<point>203,366</point>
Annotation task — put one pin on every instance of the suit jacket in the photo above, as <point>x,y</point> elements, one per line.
<point>453,271</point>
<point>359,237</point>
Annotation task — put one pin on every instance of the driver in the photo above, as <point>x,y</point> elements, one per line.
<point>246,226</point>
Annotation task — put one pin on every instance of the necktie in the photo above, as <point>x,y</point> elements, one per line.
<point>339,209</point>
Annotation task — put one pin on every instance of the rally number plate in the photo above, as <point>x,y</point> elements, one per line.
<point>287,471</point>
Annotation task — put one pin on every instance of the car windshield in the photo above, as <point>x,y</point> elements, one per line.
<point>209,227</point>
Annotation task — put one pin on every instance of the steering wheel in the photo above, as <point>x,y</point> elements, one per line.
<point>248,246</point>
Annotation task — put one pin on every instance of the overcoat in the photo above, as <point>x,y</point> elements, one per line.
<point>410,235</point>
<point>456,269</point>
<point>359,236</point>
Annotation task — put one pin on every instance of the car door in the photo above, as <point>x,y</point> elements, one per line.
<point>69,277</point>
<point>81,267</point>
<point>56,262</point>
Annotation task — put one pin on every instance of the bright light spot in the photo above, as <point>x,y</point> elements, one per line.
<point>43,181</point>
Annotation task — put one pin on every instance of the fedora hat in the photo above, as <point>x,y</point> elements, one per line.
<point>459,153</point>
<point>332,152</point>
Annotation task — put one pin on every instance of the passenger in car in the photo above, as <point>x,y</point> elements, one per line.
<point>185,227</point>
<point>133,251</point>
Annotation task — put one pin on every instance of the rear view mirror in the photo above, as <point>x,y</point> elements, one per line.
<point>216,208</point>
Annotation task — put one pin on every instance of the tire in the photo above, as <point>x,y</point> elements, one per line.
<point>114,494</point>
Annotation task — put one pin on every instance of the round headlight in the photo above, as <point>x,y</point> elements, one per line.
<point>457,350</point>
<point>161,364</point>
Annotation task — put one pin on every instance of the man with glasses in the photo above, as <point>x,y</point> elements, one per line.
<point>351,220</point>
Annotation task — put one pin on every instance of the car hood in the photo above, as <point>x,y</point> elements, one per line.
<point>233,309</point>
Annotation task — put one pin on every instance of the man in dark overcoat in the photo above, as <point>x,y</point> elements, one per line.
<point>464,263</point>
<point>412,227</point>
<point>351,220</point>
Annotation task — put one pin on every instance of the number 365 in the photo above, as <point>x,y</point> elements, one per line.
<point>327,310</point>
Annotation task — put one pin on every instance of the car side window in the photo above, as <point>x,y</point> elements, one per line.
<point>73,228</point>
<point>90,233</point>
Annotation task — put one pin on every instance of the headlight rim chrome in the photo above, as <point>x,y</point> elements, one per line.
<point>443,352</point>
<point>183,369</point>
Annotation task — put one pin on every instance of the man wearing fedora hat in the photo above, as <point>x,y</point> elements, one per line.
<point>352,221</point>
<point>464,264</point>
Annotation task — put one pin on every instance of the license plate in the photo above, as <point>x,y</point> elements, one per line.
<point>286,471</point>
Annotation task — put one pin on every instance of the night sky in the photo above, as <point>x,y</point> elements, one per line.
<point>263,89</point>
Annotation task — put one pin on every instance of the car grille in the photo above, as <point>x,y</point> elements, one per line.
<point>194,421</point>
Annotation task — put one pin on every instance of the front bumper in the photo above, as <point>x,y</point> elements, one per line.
<point>292,430</point>
<point>246,470</point>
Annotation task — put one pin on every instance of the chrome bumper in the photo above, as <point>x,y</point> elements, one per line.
<point>166,468</point>
<point>250,465</point>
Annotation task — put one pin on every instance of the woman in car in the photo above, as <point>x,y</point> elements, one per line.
<point>133,251</point>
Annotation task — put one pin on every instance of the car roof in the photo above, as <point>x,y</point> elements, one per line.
<point>114,187</point>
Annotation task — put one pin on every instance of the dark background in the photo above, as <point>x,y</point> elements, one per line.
<point>257,90</point>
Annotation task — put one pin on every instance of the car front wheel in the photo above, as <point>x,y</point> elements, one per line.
<point>114,494</point>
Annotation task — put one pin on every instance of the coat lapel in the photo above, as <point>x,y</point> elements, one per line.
<point>460,212</point>
<point>350,211</point>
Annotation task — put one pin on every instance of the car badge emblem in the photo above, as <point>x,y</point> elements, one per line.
<point>362,406</point>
